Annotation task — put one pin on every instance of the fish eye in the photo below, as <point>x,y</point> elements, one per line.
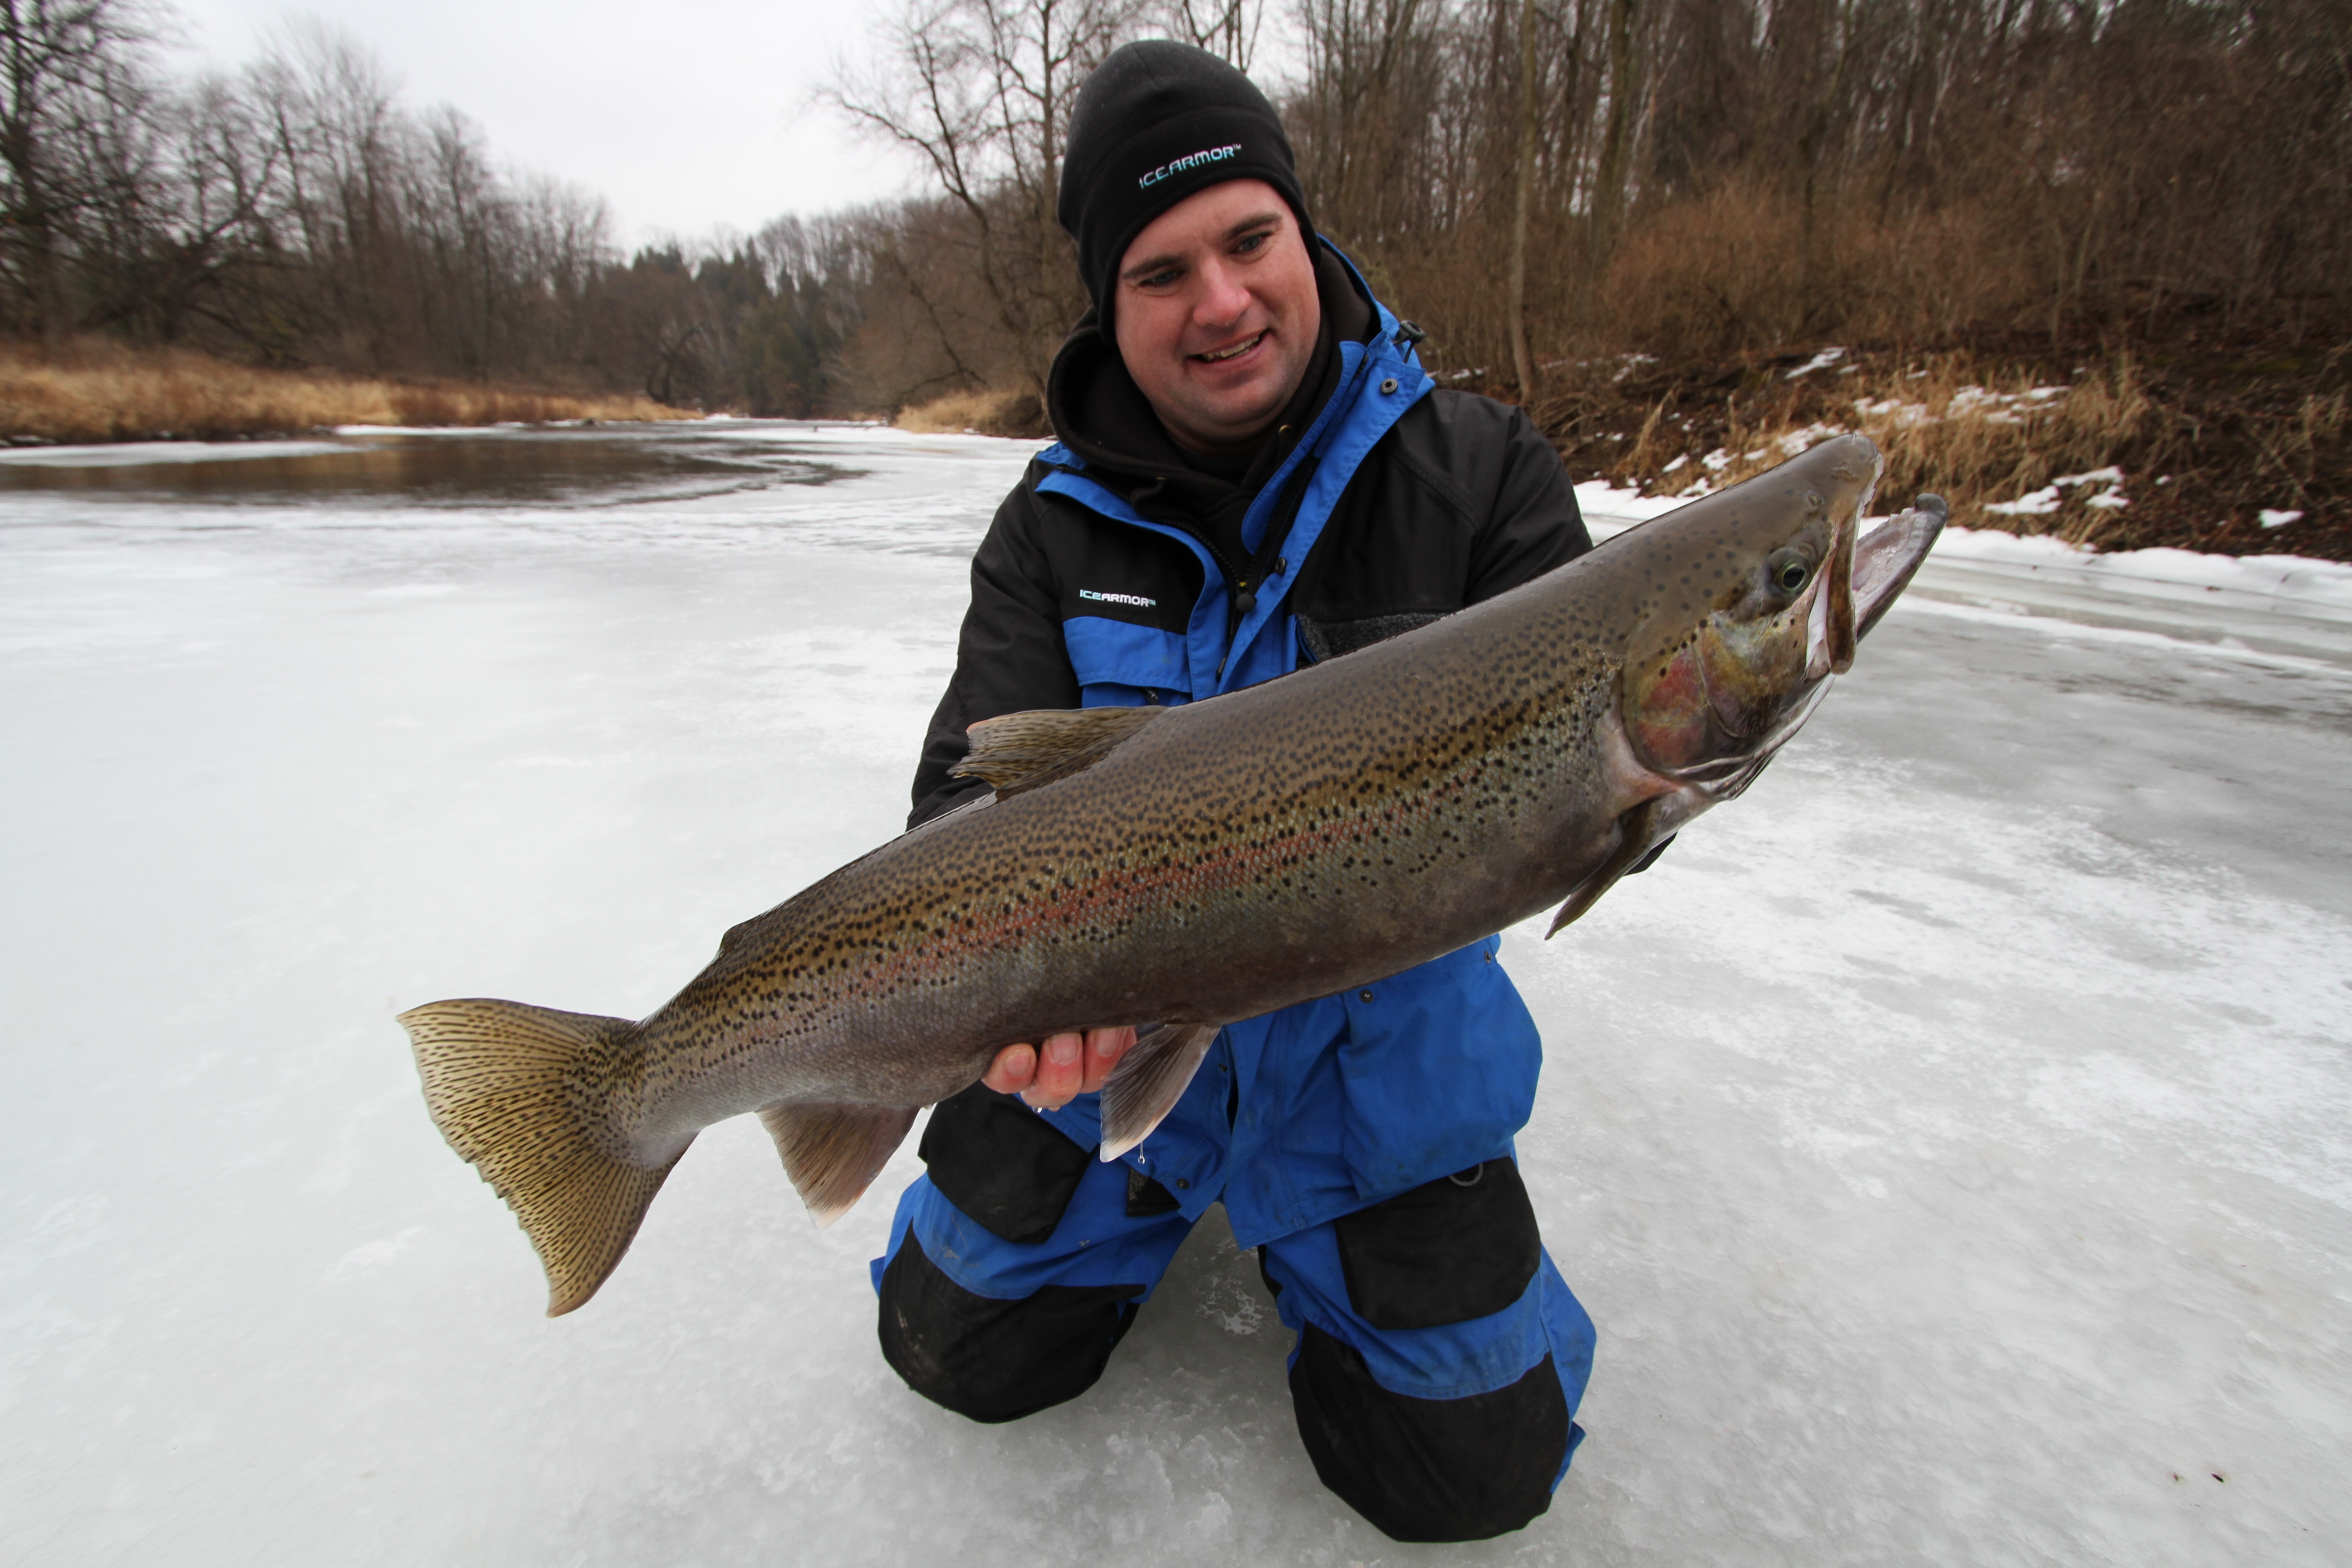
<point>1788,571</point>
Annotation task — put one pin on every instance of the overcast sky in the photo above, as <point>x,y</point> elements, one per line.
<point>684,117</point>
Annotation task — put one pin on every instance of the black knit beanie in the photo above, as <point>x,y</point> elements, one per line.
<point>1156,121</point>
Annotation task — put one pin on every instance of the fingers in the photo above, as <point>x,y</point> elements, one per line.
<point>1068,1064</point>
<point>1012,1069</point>
<point>1104,1047</point>
<point>1060,1070</point>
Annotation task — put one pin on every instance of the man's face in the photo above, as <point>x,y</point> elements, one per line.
<point>1216,314</point>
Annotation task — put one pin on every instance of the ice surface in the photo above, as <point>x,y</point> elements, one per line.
<point>139,454</point>
<point>1950,1137</point>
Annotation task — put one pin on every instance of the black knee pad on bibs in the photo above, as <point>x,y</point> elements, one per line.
<point>1001,1164</point>
<point>990,1360</point>
<point>1459,1247</point>
<point>1429,1469</point>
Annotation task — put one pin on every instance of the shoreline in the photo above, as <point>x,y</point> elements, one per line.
<point>2040,576</point>
<point>2240,450</point>
<point>2236,449</point>
<point>89,394</point>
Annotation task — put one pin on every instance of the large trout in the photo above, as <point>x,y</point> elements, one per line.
<point>1178,868</point>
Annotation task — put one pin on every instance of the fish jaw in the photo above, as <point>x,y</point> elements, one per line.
<point>1887,557</point>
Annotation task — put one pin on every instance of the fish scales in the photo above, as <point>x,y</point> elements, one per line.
<point>1179,868</point>
<point>1286,872</point>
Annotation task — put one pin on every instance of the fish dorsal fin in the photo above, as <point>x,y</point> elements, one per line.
<point>1022,751</point>
<point>1148,1081</point>
<point>832,1152</point>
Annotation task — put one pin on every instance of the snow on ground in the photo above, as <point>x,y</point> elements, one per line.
<point>1948,1137</point>
<point>2282,604</point>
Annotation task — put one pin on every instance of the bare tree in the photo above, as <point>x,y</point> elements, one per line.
<point>75,96</point>
<point>1227,28</point>
<point>981,91</point>
<point>1522,200</point>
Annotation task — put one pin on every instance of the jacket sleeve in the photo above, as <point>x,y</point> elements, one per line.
<point>1010,656</point>
<point>1532,523</point>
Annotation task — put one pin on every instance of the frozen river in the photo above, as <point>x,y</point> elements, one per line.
<point>1952,1139</point>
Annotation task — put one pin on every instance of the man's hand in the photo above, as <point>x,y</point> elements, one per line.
<point>1069,1065</point>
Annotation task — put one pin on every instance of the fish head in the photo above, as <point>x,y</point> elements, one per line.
<point>1762,596</point>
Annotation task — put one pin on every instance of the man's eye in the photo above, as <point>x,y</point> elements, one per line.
<point>1159,280</point>
<point>1251,243</point>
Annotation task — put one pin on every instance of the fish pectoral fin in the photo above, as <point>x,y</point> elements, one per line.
<point>503,1080</point>
<point>1637,835</point>
<point>832,1152</point>
<point>1017,752</point>
<point>1149,1080</point>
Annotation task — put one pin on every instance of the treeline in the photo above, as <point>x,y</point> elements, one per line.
<point>1535,178</point>
<point>295,213</point>
<point>1530,179</point>
<point>1712,175</point>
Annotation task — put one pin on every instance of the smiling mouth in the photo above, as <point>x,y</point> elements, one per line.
<point>1219,355</point>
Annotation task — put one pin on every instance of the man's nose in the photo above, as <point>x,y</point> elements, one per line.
<point>1224,297</point>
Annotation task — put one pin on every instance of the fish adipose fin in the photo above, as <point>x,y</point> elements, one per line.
<point>832,1152</point>
<point>1148,1081</point>
<point>1636,837</point>
<point>505,1082</point>
<point>1021,752</point>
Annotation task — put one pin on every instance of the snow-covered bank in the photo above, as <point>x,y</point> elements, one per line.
<point>2282,603</point>
<point>1950,1137</point>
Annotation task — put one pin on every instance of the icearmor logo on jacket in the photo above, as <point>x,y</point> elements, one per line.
<point>1118,598</point>
<point>1188,160</point>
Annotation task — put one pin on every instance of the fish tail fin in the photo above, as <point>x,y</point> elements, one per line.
<point>516,1090</point>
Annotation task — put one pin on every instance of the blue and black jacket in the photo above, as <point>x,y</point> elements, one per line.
<point>1120,572</point>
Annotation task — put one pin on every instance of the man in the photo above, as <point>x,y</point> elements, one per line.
<point>1253,472</point>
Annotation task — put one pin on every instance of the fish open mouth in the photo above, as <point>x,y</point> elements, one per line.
<point>1882,563</point>
<point>1885,559</point>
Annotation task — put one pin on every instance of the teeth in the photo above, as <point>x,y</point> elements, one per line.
<point>1236,349</point>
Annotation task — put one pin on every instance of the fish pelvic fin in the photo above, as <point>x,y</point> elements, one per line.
<point>832,1152</point>
<point>1149,1080</point>
<point>514,1088</point>
<point>1019,751</point>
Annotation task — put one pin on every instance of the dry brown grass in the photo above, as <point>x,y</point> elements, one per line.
<point>2195,453</point>
<point>1981,436</point>
<point>984,413</point>
<point>1993,437</point>
<point>95,391</point>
